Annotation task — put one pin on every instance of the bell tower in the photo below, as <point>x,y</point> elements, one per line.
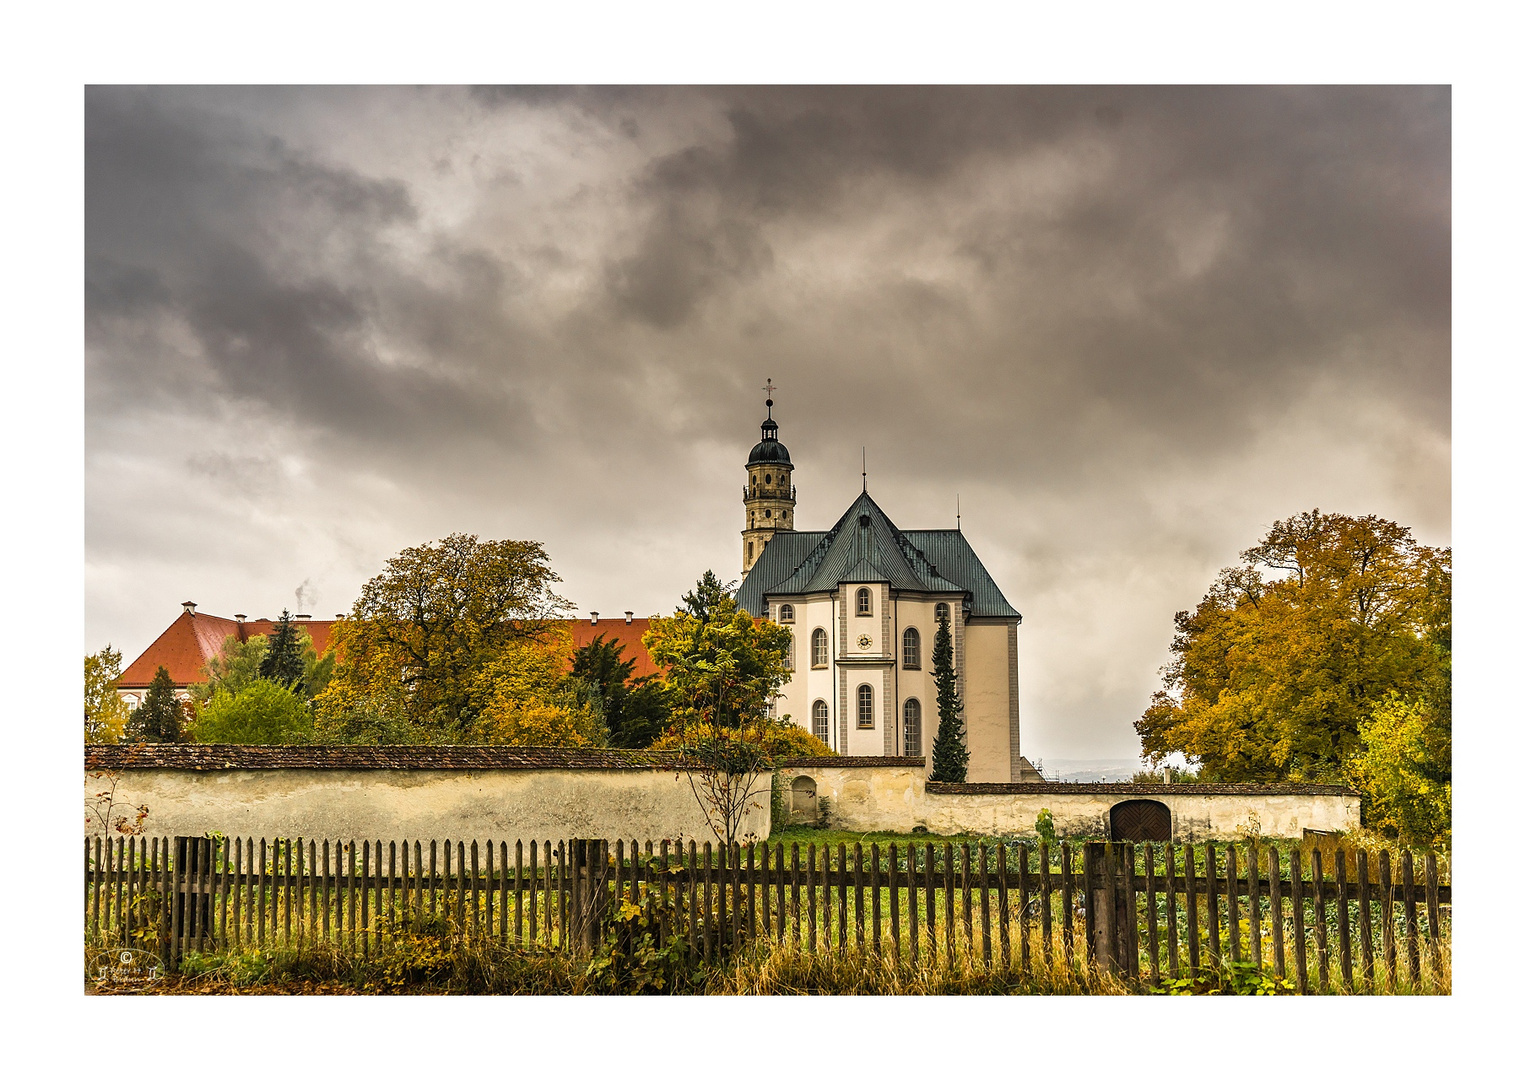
<point>770,493</point>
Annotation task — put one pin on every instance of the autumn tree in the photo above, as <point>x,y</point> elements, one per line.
<point>951,759</point>
<point>414,653</point>
<point>722,666</point>
<point>1403,771</point>
<point>1288,655</point>
<point>106,714</point>
<point>723,670</point>
<point>531,702</point>
<point>161,716</point>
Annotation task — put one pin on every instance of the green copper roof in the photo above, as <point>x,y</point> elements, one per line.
<point>866,547</point>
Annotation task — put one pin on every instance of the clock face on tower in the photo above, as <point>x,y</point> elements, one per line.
<point>865,641</point>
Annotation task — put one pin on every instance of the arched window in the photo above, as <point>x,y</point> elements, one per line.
<point>940,611</point>
<point>786,613</point>
<point>912,728</point>
<point>749,549</point>
<point>911,649</point>
<point>819,722</point>
<point>866,706</point>
<point>818,647</point>
<point>861,601</point>
<point>789,657</point>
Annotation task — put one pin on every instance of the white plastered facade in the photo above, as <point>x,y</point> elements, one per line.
<point>986,666</point>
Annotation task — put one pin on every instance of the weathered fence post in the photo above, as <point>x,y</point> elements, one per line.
<point>1125,922</point>
<point>589,894</point>
<point>194,855</point>
<point>1099,880</point>
<point>1432,888</point>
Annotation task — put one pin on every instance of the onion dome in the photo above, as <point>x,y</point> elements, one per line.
<point>770,451</point>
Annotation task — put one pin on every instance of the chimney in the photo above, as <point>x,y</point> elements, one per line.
<point>341,614</point>
<point>240,619</point>
<point>303,616</point>
<point>594,618</point>
<point>629,617</point>
<point>189,606</point>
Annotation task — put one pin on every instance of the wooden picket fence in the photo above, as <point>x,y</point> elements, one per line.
<point>1354,922</point>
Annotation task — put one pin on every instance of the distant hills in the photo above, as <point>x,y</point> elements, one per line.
<point>1090,770</point>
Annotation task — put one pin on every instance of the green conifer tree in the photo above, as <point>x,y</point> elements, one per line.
<point>284,662</point>
<point>635,711</point>
<point>160,717</point>
<point>950,757</point>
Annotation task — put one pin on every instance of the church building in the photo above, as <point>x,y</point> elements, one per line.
<point>864,599</point>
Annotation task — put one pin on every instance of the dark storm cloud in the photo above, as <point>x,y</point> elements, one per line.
<point>1133,325</point>
<point>1324,213</point>
<point>198,220</point>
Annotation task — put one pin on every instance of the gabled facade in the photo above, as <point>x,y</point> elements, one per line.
<point>864,600</point>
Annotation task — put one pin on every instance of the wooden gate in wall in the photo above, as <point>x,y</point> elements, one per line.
<point>1140,820</point>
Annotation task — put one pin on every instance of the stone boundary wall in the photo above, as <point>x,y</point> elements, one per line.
<point>892,795</point>
<point>407,793</point>
<point>508,793</point>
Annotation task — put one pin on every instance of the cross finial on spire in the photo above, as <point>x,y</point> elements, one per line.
<point>864,459</point>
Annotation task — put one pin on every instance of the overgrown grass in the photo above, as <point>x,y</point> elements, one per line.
<point>493,968</point>
<point>432,956</point>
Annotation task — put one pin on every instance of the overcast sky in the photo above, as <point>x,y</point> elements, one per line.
<point>1130,328</point>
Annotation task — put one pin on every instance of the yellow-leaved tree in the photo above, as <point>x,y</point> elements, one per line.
<point>1285,660</point>
<point>106,714</point>
<point>1403,770</point>
<point>723,671</point>
<point>414,658</point>
<point>530,699</point>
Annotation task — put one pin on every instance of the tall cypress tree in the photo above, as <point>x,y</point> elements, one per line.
<point>284,662</point>
<point>159,718</point>
<point>950,757</point>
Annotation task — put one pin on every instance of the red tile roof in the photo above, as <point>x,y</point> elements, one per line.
<point>584,633</point>
<point>189,642</point>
